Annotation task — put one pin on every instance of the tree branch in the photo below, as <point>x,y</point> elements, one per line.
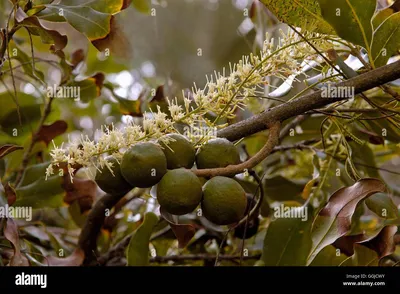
<point>94,222</point>
<point>301,105</point>
<point>231,170</point>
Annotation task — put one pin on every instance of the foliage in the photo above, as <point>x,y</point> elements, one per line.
<point>78,91</point>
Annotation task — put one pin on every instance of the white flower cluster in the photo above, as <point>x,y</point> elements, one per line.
<point>209,107</point>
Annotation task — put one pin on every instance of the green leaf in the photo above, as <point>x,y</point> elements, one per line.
<point>364,158</point>
<point>288,241</point>
<point>384,13</point>
<point>6,149</point>
<point>37,28</point>
<point>334,220</point>
<point>109,6</point>
<point>33,173</point>
<point>329,256</point>
<point>143,6</point>
<point>386,40</point>
<point>93,24</point>
<point>383,127</point>
<point>279,188</point>
<point>88,89</point>
<point>138,249</point>
<point>305,14</point>
<point>351,19</point>
<point>25,61</point>
<point>13,117</point>
<point>41,193</point>
<point>363,256</point>
<point>76,214</point>
<point>383,206</point>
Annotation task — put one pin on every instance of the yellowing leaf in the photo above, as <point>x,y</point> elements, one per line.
<point>305,14</point>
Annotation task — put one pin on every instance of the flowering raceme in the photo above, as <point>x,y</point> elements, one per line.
<point>220,99</point>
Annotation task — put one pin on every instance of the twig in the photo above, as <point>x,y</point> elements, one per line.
<point>273,140</point>
<point>217,257</point>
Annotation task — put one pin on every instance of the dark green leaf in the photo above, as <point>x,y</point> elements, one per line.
<point>351,19</point>
<point>329,256</point>
<point>138,248</point>
<point>383,206</point>
<point>41,193</point>
<point>279,188</point>
<point>288,240</point>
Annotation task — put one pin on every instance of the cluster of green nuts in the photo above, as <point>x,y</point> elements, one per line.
<point>169,166</point>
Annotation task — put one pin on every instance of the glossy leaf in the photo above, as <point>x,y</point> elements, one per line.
<point>138,248</point>
<point>334,220</point>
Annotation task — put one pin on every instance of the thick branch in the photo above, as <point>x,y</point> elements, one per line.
<point>88,237</point>
<point>301,105</point>
<point>231,170</point>
<point>94,222</point>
